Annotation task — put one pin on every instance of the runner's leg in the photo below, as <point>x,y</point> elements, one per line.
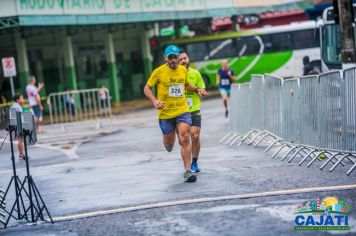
<point>184,141</point>
<point>195,135</point>
<point>224,96</point>
<point>169,140</point>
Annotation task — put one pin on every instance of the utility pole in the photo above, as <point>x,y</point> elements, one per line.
<point>345,14</point>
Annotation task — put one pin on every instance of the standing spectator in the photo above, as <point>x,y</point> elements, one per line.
<point>307,67</point>
<point>35,101</point>
<point>18,101</point>
<point>70,105</point>
<point>103,97</point>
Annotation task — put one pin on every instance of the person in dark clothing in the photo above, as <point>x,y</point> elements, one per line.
<point>307,66</point>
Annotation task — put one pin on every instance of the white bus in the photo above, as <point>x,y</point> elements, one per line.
<point>330,40</point>
<point>272,49</point>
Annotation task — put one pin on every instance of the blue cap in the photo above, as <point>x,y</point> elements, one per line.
<point>171,50</point>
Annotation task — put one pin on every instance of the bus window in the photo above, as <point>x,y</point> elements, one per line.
<point>247,46</point>
<point>277,42</point>
<point>221,49</point>
<point>331,50</point>
<point>305,39</point>
<point>197,51</point>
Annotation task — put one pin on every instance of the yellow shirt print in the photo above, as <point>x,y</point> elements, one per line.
<point>170,85</point>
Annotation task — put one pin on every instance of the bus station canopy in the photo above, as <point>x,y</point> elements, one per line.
<point>88,12</point>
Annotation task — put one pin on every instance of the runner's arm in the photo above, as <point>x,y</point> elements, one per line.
<point>231,76</point>
<point>149,94</point>
<point>217,80</point>
<point>192,88</point>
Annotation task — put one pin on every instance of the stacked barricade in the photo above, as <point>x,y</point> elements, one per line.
<point>3,115</point>
<point>311,118</point>
<point>78,105</point>
<point>2,207</point>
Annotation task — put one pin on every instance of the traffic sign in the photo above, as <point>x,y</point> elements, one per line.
<point>8,65</point>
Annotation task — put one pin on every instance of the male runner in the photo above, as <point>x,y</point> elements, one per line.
<point>193,100</point>
<point>170,80</point>
<point>224,78</point>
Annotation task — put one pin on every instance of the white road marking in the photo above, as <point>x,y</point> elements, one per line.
<point>202,200</point>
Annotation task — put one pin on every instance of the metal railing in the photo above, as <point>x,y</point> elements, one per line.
<point>78,105</point>
<point>2,208</point>
<point>313,117</point>
<point>349,103</point>
<point>3,116</point>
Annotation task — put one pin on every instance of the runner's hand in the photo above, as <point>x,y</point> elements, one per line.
<point>158,104</point>
<point>202,92</point>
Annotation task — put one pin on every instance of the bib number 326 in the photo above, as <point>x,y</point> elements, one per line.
<point>176,90</point>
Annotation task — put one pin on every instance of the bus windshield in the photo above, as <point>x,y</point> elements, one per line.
<point>331,49</point>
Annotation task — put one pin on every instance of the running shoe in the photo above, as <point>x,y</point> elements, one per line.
<point>194,167</point>
<point>189,176</point>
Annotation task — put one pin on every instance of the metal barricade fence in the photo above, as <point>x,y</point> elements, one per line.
<point>349,111</point>
<point>78,105</point>
<point>3,116</point>
<point>241,116</point>
<point>273,104</point>
<point>257,102</point>
<point>329,113</point>
<point>308,106</point>
<point>311,118</point>
<point>234,109</point>
<point>290,110</point>
<point>314,110</point>
<point>2,207</point>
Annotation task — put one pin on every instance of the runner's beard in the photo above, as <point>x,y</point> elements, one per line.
<point>173,64</point>
<point>186,64</point>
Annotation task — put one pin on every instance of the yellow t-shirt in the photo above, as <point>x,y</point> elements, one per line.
<point>170,86</point>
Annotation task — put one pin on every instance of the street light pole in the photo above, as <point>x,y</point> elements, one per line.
<point>346,20</point>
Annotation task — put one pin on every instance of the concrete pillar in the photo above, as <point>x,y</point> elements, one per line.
<point>113,80</point>
<point>146,52</point>
<point>40,78</point>
<point>69,62</point>
<point>22,62</point>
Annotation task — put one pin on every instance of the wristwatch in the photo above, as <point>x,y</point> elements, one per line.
<point>196,89</point>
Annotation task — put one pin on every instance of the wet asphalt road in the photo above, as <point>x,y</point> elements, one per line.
<point>81,169</point>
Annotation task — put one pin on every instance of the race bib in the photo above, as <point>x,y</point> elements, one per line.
<point>190,102</point>
<point>225,82</point>
<point>176,90</point>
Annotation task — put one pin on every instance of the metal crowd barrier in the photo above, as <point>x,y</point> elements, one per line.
<point>329,111</point>
<point>308,94</point>
<point>2,207</point>
<point>3,116</point>
<point>290,117</point>
<point>258,101</point>
<point>273,104</point>
<point>78,105</point>
<point>349,119</point>
<point>312,118</point>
